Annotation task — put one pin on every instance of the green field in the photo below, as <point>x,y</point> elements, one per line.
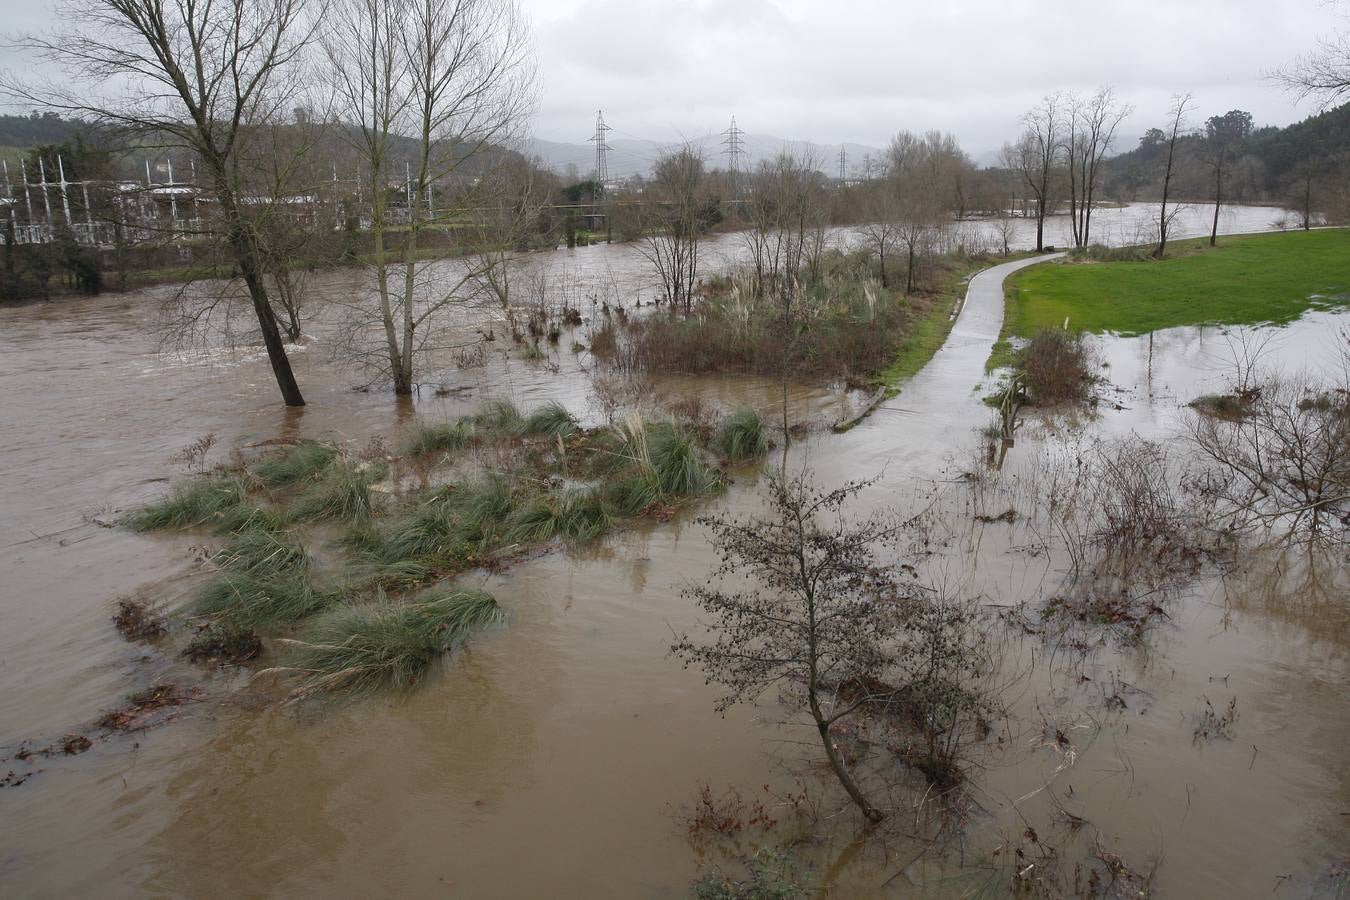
<point>1244,281</point>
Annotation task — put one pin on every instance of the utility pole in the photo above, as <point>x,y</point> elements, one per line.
<point>601,160</point>
<point>735,147</point>
<point>843,166</point>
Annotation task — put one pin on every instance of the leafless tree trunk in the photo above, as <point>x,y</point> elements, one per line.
<point>455,77</point>
<point>1181,105</point>
<point>676,204</point>
<point>1038,155</point>
<point>197,75</point>
<point>1092,129</point>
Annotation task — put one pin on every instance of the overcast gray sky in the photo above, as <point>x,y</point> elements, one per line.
<point>859,70</point>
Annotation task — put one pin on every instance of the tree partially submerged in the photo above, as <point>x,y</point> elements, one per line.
<point>457,79</point>
<point>817,609</point>
<point>205,77</point>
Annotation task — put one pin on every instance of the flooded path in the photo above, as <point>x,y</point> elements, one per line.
<point>552,757</point>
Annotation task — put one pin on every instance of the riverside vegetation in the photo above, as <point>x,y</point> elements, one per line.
<point>382,617</point>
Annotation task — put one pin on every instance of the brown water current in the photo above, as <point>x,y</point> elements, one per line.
<point>551,758</point>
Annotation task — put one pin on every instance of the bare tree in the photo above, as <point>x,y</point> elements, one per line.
<point>1037,156</point>
<point>785,209</point>
<point>880,231</point>
<point>1181,106</point>
<point>679,211</point>
<point>200,76</point>
<point>1282,465</point>
<point>922,171</point>
<point>1323,74</point>
<point>450,84</point>
<point>1092,129</point>
<point>819,609</point>
<point>1224,136</point>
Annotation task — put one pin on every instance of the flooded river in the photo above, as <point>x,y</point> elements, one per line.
<point>553,757</point>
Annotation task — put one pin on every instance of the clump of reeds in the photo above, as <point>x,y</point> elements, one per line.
<point>741,436</point>
<point>448,437</point>
<point>343,494</point>
<point>551,419</point>
<point>295,464</point>
<point>205,501</point>
<point>364,647</point>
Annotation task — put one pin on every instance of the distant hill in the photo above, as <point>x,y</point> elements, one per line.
<point>1265,165</point>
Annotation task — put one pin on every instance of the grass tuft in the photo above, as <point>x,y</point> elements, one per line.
<point>361,648</point>
<point>261,554</point>
<point>441,437</point>
<point>343,495</point>
<point>551,419</point>
<point>741,436</point>
<point>577,514</point>
<point>675,464</point>
<point>203,501</point>
<point>256,601</point>
<point>499,416</point>
<point>299,463</point>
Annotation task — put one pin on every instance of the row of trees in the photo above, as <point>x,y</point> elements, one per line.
<point>221,83</point>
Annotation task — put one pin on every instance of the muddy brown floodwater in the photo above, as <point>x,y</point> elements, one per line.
<point>550,758</point>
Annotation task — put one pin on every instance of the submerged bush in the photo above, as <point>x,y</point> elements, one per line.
<point>551,419</point>
<point>343,494</point>
<point>1056,366</point>
<point>203,501</point>
<point>358,648</point>
<point>296,464</point>
<point>444,436</point>
<point>741,436</point>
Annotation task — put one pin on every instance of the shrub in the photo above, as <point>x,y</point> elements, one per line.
<point>1056,366</point>
<point>551,419</point>
<point>189,503</point>
<point>298,463</point>
<point>443,436</point>
<point>359,648</point>
<point>741,436</point>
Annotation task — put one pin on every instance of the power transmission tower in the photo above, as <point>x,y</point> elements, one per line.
<point>843,166</point>
<point>601,162</point>
<point>735,147</point>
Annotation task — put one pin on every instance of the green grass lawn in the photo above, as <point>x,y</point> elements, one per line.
<point>1244,281</point>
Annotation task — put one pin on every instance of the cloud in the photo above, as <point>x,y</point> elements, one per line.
<point>862,69</point>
